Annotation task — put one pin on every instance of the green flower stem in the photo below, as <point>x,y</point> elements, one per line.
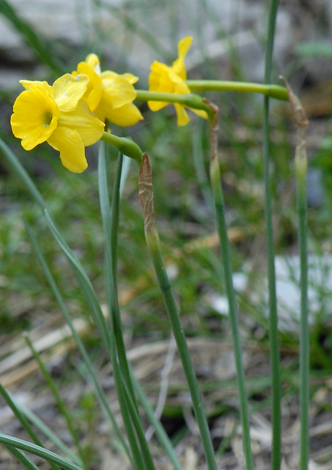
<point>300,167</point>
<point>126,396</point>
<point>191,100</point>
<point>125,146</point>
<point>225,250</point>
<point>273,314</point>
<point>153,243</point>
<point>195,101</point>
<point>273,91</point>
<point>301,123</point>
<point>61,405</point>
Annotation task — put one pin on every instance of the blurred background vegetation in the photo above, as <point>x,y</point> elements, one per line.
<point>42,39</point>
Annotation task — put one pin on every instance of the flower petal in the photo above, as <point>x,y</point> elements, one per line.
<point>126,115</point>
<point>184,46</point>
<point>182,115</point>
<point>68,90</point>
<point>93,61</point>
<point>127,76</point>
<point>199,112</point>
<point>27,84</point>
<point>35,116</point>
<point>108,75</point>
<point>159,79</point>
<point>180,86</point>
<point>130,78</point>
<point>94,89</point>
<point>117,89</point>
<point>178,66</point>
<point>157,105</point>
<point>84,122</point>
<point>71,147</point>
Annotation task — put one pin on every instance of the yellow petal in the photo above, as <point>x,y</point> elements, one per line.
<point>169,83</point>
<point>180,86</point>
<point>199,112</point>
<point>108,75</point>
<point>93,61</point>
<point>127,76</point>
<point>68,90</point>
<point>159,79</point>
<point>117,90</point>
<point>178,66</point>
<point>126,115</point>
<point>163,79</point>
<point>179,69</point>
<point>71,147</point>
<point>183,47</point>
<point>157,105</point>
<point>94,90</point>
<point>182,115</point>
<point>27,84</point>
<point>130,78</point>
<point>35,116</point>
<point>84,122</point>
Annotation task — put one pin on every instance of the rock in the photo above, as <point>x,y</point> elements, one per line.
<point>110,29</point>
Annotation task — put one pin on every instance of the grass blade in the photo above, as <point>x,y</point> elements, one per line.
<point>51,457</point>
<point>82,278</point>
<point>25,424</point>
<point>273,315</point>
<point>98,389</point>
<point>39,424</point>
<point>60,403</point>
<point>22,458</point>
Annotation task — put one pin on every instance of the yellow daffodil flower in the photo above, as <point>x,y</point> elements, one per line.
<point>166,79</point>
<point>58,115</point>
<point>108,94</point>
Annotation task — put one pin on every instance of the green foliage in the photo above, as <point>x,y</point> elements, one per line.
<point>183,203</point>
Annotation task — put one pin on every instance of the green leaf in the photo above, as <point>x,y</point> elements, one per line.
<point>51,457</point>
